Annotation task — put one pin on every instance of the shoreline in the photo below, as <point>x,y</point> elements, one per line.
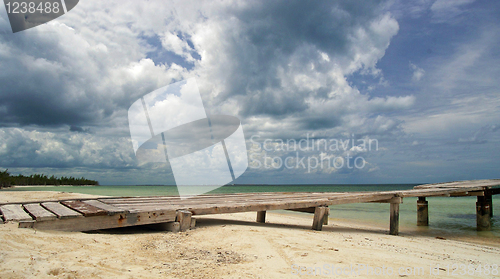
<point>27,186</point>
<point>36,196</point>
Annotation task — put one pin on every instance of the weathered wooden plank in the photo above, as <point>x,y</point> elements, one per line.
<point>222,198</point>
<point>84,208</point>
<point>215,200</point>
<point>240,204</point>
<point>106,221</point>
<point>261,206</point>
<point>60,210</point>
<point>111,209</point>
<point>38,212</point>
<point>466,183</point>
<point>15,212</point>
<point>438,191</point>
<point>232,195</point>
<point>226,201</point>
<point>222,201</point>
<point>202,208</point>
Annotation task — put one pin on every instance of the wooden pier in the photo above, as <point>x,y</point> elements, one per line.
<point>175,214</point>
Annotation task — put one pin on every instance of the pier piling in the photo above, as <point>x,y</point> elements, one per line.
<point>319,215</point>
<point>422,212</point>
<point>394,223</point>
<point>483,219</point>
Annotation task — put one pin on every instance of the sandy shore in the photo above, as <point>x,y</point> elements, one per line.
<point>33,196</point>
<point>232,246</point>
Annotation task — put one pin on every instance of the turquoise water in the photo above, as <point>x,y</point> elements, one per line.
<point>448,216</point>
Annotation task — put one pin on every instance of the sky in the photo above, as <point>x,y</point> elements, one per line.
<point>416,79</point>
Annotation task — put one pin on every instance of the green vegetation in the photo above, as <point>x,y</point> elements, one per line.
<point>6,180</point>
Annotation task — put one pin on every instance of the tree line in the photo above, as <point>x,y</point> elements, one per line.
<point>7,180</point>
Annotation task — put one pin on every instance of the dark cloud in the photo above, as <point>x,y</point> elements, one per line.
<point>271,39</point>
<point>21,148</point>
<point>78,129</point>
<point>65,77</point>
<point>44,87</point>
<point>319,123</point>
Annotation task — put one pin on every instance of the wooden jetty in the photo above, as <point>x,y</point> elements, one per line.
<point>175,214</point>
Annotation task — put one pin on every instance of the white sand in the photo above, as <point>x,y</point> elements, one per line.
<point>29,196</point>
<point>228,246</point>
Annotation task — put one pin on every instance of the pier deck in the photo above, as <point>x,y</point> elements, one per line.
<point>175,214</point>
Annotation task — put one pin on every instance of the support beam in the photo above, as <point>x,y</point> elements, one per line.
<point>319,215</point>
<point>306,210</point>
<point>422,212</point>
<point>184,219</point>
<point>483,220</point>
<point>169,227</point>
<point>261,216</point>
<point>391,200</point>
<point>394,222</point>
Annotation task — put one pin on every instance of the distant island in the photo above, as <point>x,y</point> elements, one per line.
<point>7,180</point>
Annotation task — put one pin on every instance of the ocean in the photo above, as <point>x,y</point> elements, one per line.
<point>453,217</point>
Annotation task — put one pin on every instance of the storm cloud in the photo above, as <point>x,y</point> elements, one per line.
<point>287,69</point>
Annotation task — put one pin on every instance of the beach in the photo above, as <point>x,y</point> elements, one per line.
<point>235,246</point>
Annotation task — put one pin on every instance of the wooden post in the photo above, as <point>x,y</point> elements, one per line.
<point>483,220</point>
<point>261,216</point>
<point>319,214</point>
<point>325,217</point>
<point>489,198</point>
<point>184,219</point>
<point>422,212</point>
<point>394,223</point>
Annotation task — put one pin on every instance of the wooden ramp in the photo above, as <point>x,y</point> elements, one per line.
<point>175,213</point>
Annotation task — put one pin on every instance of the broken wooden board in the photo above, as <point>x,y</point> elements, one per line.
<point>84,208</point>
<point>465,183</point>
<point>15,212</point>
<point>103,222</point>
<point>60,210</point>
<point>38,212</point>
<point>110,209</point>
